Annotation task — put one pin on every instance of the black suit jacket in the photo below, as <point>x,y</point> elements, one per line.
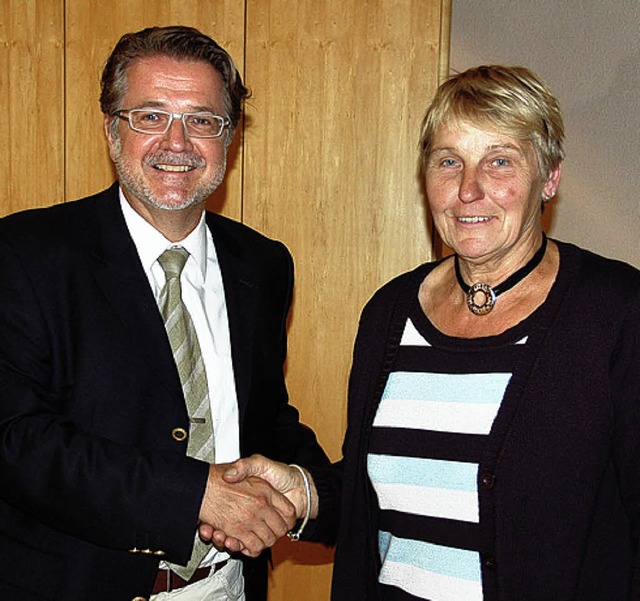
<point>94,490</point>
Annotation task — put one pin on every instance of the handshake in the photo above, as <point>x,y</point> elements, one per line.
<point>249,504</point>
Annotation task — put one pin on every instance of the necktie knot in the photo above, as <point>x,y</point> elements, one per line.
<point>172,261</point>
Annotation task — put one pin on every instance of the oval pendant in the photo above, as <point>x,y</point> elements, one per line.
<point>489,298</point>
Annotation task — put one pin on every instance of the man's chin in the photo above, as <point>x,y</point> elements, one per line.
<point>172,203</point>
<point>164,206</point>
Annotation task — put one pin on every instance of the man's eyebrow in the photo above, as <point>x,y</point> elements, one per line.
<point>199,108</point>
<point>150,104</point>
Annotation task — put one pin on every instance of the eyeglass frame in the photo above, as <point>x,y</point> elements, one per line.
<point>226,122</point>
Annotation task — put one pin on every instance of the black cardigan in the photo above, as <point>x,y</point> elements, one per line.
<point>560,514</point>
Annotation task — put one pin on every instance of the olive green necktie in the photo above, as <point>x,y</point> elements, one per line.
<point>188,358</point>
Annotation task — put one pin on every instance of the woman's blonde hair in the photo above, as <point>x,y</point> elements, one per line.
<point>511,100</point>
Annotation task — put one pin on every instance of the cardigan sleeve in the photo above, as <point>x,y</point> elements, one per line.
<point>625,394</point>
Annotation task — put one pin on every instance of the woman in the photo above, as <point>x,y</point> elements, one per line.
<point>493,448</point>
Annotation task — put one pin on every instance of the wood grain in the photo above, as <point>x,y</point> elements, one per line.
<point>31,97</point>
<point>339,91</point>
<point>326,159</point>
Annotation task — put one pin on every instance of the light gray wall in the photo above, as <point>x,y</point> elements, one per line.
<point>588,52</point>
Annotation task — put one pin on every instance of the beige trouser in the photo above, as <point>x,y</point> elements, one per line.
<point>226,584</point>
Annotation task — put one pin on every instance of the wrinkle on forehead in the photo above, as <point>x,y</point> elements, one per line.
<point>164,82</point>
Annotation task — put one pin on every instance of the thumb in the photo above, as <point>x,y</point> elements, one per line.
<point>244,468</point>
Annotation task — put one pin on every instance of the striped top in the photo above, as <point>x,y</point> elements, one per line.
<point>438,406</point>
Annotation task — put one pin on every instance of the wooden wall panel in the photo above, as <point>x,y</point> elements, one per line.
<point>339,90</point>
<point>32,132</point>
<point>330,162</point>
<point>92,29</point>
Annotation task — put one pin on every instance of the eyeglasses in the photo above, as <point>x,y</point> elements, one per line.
<point>196,125</point>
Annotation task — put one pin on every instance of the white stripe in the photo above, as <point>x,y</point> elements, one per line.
<point>428,585</point>
<point>465,418</point>
<point>411,336</point>
<point>454,388</point>
<point>422,471</point>
<point>439,559</point>
<point>435,502</point>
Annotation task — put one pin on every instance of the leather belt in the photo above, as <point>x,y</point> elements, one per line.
<point>166,580</point>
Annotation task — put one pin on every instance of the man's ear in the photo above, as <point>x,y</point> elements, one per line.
<point>108,132</point>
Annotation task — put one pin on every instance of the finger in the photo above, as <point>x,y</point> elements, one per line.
<point>252,544</point>
<point>223,542</point>
<point>284,508</point>
<point>233,545</point>
<point>206,532</point>
<point>265,534</point>
<point>272,525</point>
<point>218,538</point>
<point>268,524</point>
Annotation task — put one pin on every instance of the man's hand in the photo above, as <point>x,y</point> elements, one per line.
<point>250,512</point>
<point>285,479</point>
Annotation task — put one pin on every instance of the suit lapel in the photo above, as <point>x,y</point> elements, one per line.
<point>122,279</point>
<point>240,288</point>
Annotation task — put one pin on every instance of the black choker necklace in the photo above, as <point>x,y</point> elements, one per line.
<point>491,293</point>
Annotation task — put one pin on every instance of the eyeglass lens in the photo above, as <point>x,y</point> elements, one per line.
<point>197,124</point>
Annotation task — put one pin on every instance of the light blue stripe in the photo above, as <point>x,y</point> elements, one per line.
<point>415,471</point>
<point>451,388</point>
<point>448,561</point>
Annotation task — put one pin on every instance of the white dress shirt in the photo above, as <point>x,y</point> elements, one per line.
<point>203,295</point>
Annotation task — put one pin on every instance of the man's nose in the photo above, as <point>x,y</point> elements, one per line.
<point>176,138</point>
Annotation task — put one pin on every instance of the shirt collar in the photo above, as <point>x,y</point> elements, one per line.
<point>151,243</point>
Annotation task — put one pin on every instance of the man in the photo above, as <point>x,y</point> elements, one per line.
<point>102,493</point>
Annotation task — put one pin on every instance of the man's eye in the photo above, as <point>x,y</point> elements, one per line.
<point>500,162</point>
<point>151,117</point>
<point>202,120</point>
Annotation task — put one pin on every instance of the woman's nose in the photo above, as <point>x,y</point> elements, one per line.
<point>470,186</point>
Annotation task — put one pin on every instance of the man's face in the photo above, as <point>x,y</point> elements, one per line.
<point>169,171</point>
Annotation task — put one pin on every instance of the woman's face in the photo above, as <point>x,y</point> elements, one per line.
<point>485,191</point>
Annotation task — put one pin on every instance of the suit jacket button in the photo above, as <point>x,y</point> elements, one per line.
<point>487,479</point>
<point>179,434</point>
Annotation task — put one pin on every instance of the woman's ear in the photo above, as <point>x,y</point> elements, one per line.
<point>553,181</point>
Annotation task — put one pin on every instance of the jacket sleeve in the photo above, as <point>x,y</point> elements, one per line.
<point>287,440</point>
